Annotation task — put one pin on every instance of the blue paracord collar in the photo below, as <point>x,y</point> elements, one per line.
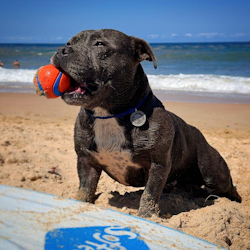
<point>130,111</point>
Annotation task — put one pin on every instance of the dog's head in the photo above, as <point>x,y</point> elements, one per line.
<point>102,65</point>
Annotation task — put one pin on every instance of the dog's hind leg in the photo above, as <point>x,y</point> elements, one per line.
<point>215,171</point>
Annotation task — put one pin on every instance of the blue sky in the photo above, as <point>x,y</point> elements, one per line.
<point>55,21</point>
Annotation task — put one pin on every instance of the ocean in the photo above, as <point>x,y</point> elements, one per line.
<point>219,71</point>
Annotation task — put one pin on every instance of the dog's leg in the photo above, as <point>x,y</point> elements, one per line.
<point>215,171</point>
<point>89,178</point>
<point>149,203</point>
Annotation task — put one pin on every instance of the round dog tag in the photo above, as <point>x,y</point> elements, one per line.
<point>138,118</point>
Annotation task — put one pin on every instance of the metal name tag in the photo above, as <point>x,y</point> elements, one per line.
<point>138,118</point>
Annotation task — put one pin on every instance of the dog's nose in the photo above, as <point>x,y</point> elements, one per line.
<point>64,51</point>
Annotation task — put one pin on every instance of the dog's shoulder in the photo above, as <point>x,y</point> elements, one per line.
<point>83,132</point>
<point>160,117</point>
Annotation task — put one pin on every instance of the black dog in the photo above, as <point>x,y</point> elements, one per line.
<point>123,129</point>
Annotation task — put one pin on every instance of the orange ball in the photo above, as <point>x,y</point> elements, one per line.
<point>51,82</point>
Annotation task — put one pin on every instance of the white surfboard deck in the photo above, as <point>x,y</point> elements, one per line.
<point>34,220</point>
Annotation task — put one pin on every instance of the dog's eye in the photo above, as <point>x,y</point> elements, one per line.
<point>99,44</point>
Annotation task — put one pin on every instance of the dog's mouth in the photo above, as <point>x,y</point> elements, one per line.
<point>77,88</point>
<point>79,94</point>
<point>84,88</point>
<point>81,88</point>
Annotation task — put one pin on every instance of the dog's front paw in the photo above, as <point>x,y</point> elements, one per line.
<point>148,211</point>
<point>85,195</point>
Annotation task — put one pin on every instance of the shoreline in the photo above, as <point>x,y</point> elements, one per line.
<point>37,136</point>
<point>201,114</point>
<point>201,97</point>
<point>163,95</point>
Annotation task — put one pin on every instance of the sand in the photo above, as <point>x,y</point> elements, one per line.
<point>37,152</point>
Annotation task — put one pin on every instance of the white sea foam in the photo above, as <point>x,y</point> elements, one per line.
<point>201,83</point>
<point>198,83</point>
<point>17,75</point>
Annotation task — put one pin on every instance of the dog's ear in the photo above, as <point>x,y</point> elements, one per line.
<point>143,51</point>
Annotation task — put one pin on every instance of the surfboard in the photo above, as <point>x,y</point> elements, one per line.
<point>34,220</point>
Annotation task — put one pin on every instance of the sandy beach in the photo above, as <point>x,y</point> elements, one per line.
<point>37,152</point>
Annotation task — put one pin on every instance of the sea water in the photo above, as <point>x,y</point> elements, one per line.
<point>202,69</point>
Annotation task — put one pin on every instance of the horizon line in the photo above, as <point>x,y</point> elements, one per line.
<point>145,40</point>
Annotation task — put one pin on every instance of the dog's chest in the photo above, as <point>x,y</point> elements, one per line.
<point>110,140</point>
